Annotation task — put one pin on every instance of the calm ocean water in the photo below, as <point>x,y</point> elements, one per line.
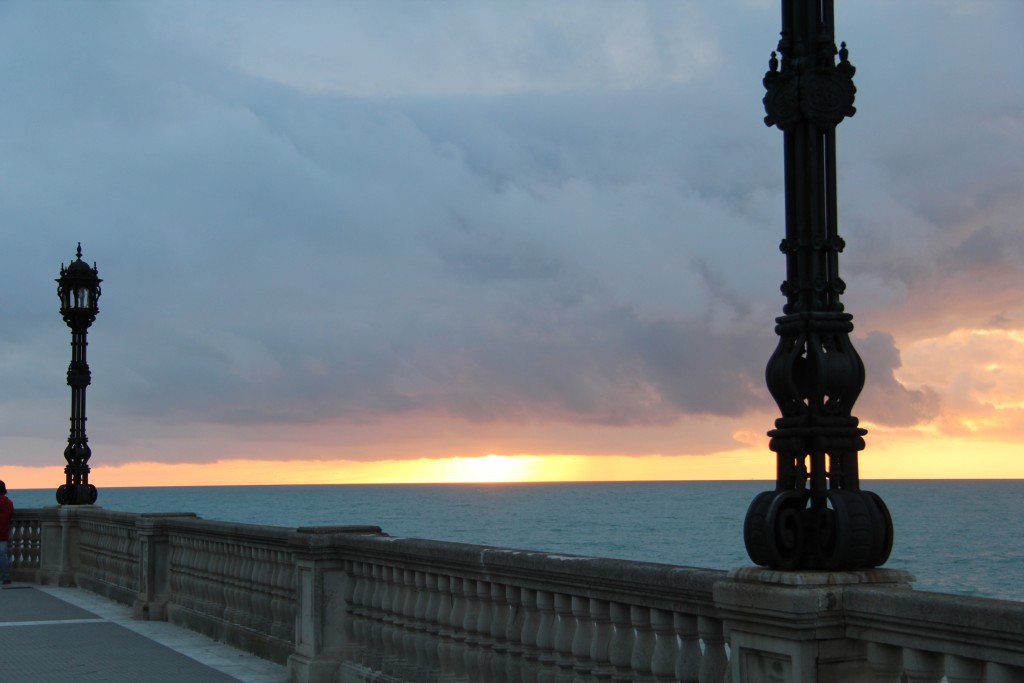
<point>955,536</point>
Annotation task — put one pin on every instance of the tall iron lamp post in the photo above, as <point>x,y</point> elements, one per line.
<point>78,288</point>
<point>817,517</point>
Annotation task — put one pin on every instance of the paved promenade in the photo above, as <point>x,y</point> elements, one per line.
<point>50,634</point>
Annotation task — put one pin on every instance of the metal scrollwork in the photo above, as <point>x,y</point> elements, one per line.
<point>817,517</point>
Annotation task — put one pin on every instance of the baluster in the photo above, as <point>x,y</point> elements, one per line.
<point>643,645</point>
<point>444,621</point>
<point>425,614</point>
<point>393,633</point>
<point>396,595</point>
<point>15,542</point>
<point>376,613</point>
<point>714,665</point>
<point>469,617</point>
<point>497,668</point>
<point>197,596</point>
<point>485,611</point>
<point>620,648</point>
<point>688,663</point>
<point>349,590</point>
<point>1002,673</point>
<point>235,586</point>
<point>194,585</point>
<point>565,630</point>
<point>376,587</point>
<point>406,601</point>
<point>922,666</point>
<point>470,654</point>
<point>354,625</point>
<point>389,594</point>
<point>458,609</point>
<point>222,583</point>
<point>361,596</point>
<point>37,544</point>
<point>545,628</point>
<point>600,644</point>
<point>286,594</point>
<point>408,633</point>
<point>666,647</point>
<point>456,648</point>
<point>209,564</point>
<point>389,618</point>
<point>583,635</point>
<point>34,546</point>
<point>499,618</point>
<point>514,617</point>
<point>419,608</point>
<point>199,564</point>
<point>276,594</point>
<point>253,591</point>
<point>357,605</point>
<point>184,585</point>
<point>963,670</point>
<point>531,623</point>
<point>257,588</point>
<point>445,606</point>
<point>253,587</point>
<point>269,574</point>
<point>432,608</point>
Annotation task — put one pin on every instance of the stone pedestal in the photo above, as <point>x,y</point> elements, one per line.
<point>58,547</point>
<point>324,586</point>
<point>154,565</point>
<point>788,626</point>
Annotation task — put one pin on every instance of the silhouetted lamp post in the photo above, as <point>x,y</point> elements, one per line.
<point>78,288</point>
<point>817,517</point>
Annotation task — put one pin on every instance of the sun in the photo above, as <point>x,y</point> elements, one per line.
<point>489,468</point>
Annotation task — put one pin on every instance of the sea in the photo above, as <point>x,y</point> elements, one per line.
<point>955,536</point>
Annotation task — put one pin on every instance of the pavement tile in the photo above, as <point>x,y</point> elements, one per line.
<point>50,634</point>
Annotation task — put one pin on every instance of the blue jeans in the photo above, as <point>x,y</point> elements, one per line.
<point>5,567</point>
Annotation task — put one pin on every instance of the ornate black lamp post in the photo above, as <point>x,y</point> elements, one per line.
<point>79,290</point>
<point>817,517</point>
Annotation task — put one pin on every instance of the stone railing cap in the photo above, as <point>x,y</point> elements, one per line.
<point>821,578</point>
<point>347,529</point>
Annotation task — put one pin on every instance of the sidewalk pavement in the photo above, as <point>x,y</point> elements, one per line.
<point>53,635</point>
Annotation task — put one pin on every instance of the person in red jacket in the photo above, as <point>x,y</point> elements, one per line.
<point>6,510</point>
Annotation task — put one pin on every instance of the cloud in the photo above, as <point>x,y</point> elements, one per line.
<point>392,48</point>
<point>885,400</point>
<point>978,374</point>
<point>528,222</point>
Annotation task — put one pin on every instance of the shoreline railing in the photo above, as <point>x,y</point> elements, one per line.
<point>354,604</point>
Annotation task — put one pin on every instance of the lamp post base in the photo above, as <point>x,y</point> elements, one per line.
<point>76,494</point>
<point>851,530</point>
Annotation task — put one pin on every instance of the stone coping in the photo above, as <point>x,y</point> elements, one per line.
<point>822,578</point>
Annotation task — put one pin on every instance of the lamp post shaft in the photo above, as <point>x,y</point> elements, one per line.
<point>78,289</point>
<point>817,517</point>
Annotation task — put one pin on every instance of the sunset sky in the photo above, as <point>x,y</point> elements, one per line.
<point>348,242</point>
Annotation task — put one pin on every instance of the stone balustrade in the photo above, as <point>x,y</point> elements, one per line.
<point>414,609</point>
<point>353,604</point>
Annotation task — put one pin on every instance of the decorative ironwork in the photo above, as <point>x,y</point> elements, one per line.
<point>817,517</point>
<point>78,289</point>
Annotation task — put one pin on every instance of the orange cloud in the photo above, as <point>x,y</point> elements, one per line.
<point>979,376</point>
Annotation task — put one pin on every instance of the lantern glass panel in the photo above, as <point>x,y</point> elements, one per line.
<point>82,295</point>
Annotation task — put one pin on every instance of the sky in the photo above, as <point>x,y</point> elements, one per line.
<point>395,241</point>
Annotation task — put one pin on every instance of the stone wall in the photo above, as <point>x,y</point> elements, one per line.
<point>353,604</point>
